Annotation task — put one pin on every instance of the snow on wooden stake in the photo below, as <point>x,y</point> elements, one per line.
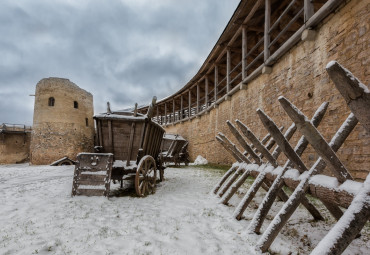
<point>357,96</point>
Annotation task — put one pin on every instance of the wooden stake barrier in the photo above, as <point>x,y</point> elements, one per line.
<point>291,205</point>
<point>268,200</point>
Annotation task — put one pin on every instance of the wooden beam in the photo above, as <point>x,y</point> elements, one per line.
<point>206,91</point>
<point>198,98</point>
<point>355,93</point>
<point>216,82</point>
<point>165,113</point>
<point>228,63</point>
<point>181,107</point>
<point>244,52</point>
<point>173,109</point>
<point>317,141</point>
<point>308,10</point>
<point>189,100</point>
<point>267,29</point>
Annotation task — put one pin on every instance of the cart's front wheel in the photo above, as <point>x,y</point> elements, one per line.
<point>146,175</point>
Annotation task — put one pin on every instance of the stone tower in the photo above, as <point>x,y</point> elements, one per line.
<point>62,121</point>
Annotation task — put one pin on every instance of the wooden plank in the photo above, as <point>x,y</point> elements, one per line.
<point>317,141</point>
<point>308,10</point>
<point>277,184</point>
<point>228,149</point>
<point>216,83</point>
<point>281,141</point>
<point>206,92</point>
<point>198,98</point>
<point>91,192</point>
<point>91,182</point>
<point>92,177</point>
<point>189,101</point>
<point>224,178</point>
<point>249,134</point>
<point>244,52</point>
<point>267,29</point>
<point>355,93</point>
<point>181,107</point>
<point>288,134</point>
<point>243,143</point>
<point>228,64</point>
<point>233,147</point>
<point>289,207</point>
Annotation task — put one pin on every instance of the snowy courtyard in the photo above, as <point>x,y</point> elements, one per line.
<point>39,216</point>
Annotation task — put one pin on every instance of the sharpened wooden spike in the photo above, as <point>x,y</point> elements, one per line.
<point>234,148</point>
<point>294,200</point>
<point>249,134</point>
<point>281,141</point>
<point>243,143</point>
<point>355,93</point>
<point>288,134</point>
<point>222,142</point>
<point>269,198</point>
<point>316,140</point>
<point>230,192</point>
<point>349,225</point>
<point>224,178</point>
<point>230,181</point>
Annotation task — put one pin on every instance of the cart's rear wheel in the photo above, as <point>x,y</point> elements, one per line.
<point>146,175</point>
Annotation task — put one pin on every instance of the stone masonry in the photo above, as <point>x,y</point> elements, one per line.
<point>300,76</point>
<point>64,129</point>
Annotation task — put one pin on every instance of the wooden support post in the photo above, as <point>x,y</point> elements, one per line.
<point>110,136</point>
<point>234,148</point>
<point>228,64</point>
<point>244,52</point>
<point>224,178</point>
<point>198,98</point>
<point>308,10</point>
<point>189,103</point>
<point>181,107</point>
<point>243,143</point>
<point>317,141</point>
<point>173,110</point>
<point>269,198</point>
<point>267,29</point>
<point>261,148</point>
<point>355,93</point>
<point>165,113</point>
<point>98,123</point>
<point>206,92</point>
<point>230,181</point>
<point>289,207</point>
<point>131,141</point>
<point>349,226</point>
<point>222,142</point>
<point>216,82</point>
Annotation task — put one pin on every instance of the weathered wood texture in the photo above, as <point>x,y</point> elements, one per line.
<point>355,93</point>
<point>349,226</point>
<point>288,208</point>
<point>92,174</point>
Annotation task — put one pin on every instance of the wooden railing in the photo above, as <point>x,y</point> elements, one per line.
<point>277,39</point>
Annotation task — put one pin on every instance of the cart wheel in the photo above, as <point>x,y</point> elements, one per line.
<point>146,175</point>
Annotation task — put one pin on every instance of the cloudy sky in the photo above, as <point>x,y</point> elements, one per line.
<point>122,51</point>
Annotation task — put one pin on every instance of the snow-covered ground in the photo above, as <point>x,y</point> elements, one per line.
<point>38,216</point>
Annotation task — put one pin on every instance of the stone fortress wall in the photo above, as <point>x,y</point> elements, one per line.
<point>64,127</point>
<point>14,144</point>
<point>300,76</point>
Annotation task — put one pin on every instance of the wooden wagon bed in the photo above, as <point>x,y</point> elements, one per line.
<point>134,142</point>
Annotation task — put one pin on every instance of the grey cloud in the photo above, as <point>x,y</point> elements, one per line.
<point>120,51</point>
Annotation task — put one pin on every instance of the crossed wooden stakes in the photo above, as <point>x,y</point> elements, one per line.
<point>259,162</point>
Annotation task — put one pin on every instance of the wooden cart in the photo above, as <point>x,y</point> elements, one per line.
<point>174,149</point>
<point>134,142</point>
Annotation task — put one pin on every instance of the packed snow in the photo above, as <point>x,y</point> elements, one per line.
<point>200,161</point>
<point>39,216</point>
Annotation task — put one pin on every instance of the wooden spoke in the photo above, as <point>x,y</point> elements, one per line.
<point>146,176</point>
